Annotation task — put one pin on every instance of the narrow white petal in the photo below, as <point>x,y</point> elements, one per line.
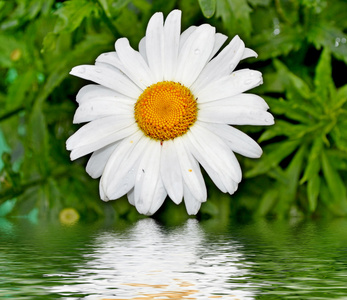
<point>185,35</point>
<point>102,194</point>
<point>171,172</point>
<point>97,129</point>
<point>215,176</point>
<point>230,85</point>
<point>212,151</point>
<point>159,197</point>
<point>238,141</point>
<point>135,66</point>
<point>112,79</point>
<point>95,91</point>
<point>172,30</point>
<point>142,48</point>
<point>92,110</point>
<point>120,171</point>
<point>155,45</point>
<point>190,169</point>
<point>194,54</point>
<point>236,115</point>
<point>110,58</point>
<point>192,203</point>
<point>131,196</point>
<point>245,99</point>
<point>147,177</point>
<point>84,146</point>
<point>98,160</point>
<point>218,43</point>
<point>249,53</point>
<point>222,65</point>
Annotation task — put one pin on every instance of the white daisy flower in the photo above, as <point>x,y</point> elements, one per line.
<point>157,113</point>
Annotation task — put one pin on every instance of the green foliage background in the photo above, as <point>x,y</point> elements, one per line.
<point>302,53</point>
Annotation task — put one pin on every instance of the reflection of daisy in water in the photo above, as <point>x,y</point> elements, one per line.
<point>159,112</point>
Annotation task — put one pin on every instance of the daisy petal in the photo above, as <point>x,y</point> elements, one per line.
<point>192,203</point>
<point>194,54</point>
<point>250,100</point>
<point>218,43</point>
<point>231,85</point>
<point>212,151</point>
<point>147,177</point>
<point>112,79</point>
<point>238,141</point>
<point>95,130</point>
<point>190,169</point>
<point>120,171</point>
<point>131,196</point>
<point>185,35</point>
<point>159,197</point>
<point>135,66</point>
<point>92,110</point>
<point>110,58</point>
<point>236,115</point>
<point>95,91</point>
<point>249,53</point>
<point>155,45</point>
<point>98,160</point>
<point>142,49</point>
<point>88,139</point>
<point>222,65</point>
<point>172,30</point>
<point>102,194</point>
<point>170,172</point>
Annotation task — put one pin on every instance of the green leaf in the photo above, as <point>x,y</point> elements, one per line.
<point>335,184</point>
<point>325,34</point>
<point>297,89</point>
<point>72,14</point>
<point>37,139</point>
<point>259,2</point>
<point>267,202</point>
<point>313,189</point>
<point>291,109</point>
<point>235,15</point>
<point>241,11</point>
<point>325,87</point>
<point>271,45</point>
<point>93,45</point>
<point>18,91</point>
<point>284,128</point>
<point>341,96</point>
<point>277,153</point>
<point>313,164</point>
<point>208,7</point>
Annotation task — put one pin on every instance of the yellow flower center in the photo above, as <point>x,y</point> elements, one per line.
<point>165,110</point>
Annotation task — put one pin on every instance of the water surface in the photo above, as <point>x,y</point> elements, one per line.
<point>193,260</point>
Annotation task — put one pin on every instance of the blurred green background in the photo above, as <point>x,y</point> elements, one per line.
<point>302,51</point>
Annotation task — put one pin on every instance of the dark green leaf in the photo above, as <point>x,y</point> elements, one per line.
<point>313,189</point>
<point>313,164</point>
<point>325,87</point>
<point>324,34</point>
<point>335,183</point>
<point>72,14</point>
<point>271,159</point>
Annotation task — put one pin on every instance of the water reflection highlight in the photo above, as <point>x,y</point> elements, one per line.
<point>150,262</point>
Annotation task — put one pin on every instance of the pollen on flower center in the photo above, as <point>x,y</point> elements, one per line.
<point>165,110</point>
